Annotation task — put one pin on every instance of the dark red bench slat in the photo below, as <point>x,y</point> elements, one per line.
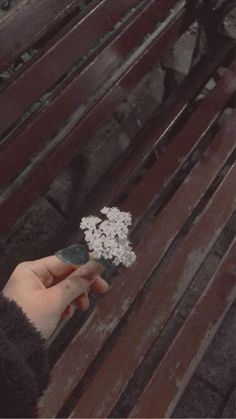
<point>26,23</point>
<point>58,58</point>
<point>108,312</point>
<point>171,377</point>
<point>180,149</point>
<point>146,322</point>
<point>21,145</point>
<point>117,180</point>
<point>44,170</point>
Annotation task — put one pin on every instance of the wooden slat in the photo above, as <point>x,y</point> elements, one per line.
<point>180,149</point>
<point>119,176</point>
<point>57,155</point>
<point>53,64</point>
<point>147,322</point>
<point>171,377</point>
<point>160,125</point>
<point>20,147</point>
<point>113,307</point>
<point>26,23</point>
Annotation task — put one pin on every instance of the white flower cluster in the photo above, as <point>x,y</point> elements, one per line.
<point>109,238</point>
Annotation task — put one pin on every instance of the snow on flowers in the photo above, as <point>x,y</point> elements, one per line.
<point>108,238</point>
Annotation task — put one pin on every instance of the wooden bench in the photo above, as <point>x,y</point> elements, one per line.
<point>177,178</point>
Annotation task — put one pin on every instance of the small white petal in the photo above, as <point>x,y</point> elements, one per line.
<point>109,238</point>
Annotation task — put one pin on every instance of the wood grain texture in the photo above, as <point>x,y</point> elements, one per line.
<point>58,58</point>
<point>173,374</point>
<point>26,23</point>
<point>147,322</point>
<point>111,309</point>
<point>118,178</point>
<point>35,180</point>
<point>36,131</point>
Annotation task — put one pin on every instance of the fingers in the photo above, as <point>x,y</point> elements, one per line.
<point>90,269</point>
<point>82,302</point>
<point>51,269</point>
<point>99,285</point>
<point>77,283</point>
<point>55,266</point>
<point>68,312</point>
<point>46,271</point>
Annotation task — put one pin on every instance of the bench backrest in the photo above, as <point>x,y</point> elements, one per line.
<point>27,23</point>
<point>93,346</point>
<point>30,144</point>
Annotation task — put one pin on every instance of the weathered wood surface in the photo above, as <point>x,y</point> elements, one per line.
<point>173,374</point>
<point>183,144</point>
<point>34,133</point>
<point>148,321</point>
<point>118,178</point>
<point>60,56</point>
<point>103,80</point>
<point>35,180</point>
<point>107,314</point>
<point>26,23</point>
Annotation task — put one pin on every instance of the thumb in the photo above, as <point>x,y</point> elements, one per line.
<point>77,283</point>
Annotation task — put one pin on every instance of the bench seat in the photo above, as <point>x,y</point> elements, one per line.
<point>177,178</point>
<point>147,320</point>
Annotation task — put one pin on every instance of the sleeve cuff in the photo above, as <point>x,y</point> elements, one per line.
<point>23,348</point>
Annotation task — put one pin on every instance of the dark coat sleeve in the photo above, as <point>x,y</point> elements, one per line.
<point>24,371</point>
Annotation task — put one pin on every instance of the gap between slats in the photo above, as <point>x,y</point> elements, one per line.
<point>148,321</point>
<point>60,152</point>
<point>173,374</point>
<point>167,236</point>
<point>30,20</point>
<point>58,59</point>
<point>116,181</point>
<point>36,131</point>
<point>160,347</point>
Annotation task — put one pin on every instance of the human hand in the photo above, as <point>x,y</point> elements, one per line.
<point>45,289</point>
